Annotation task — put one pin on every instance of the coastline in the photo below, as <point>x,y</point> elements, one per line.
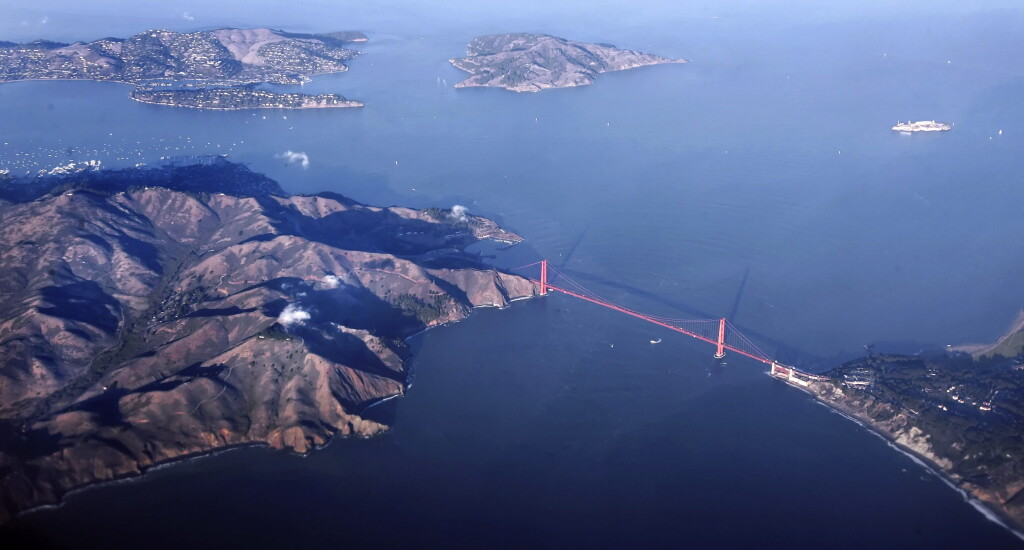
<point>129,478</point>
<point>991,513</point>
<point>345,105</point>
<point>65,80</point>
<point>190,457</point>
<point>981,349</point>
<point>145,469</point>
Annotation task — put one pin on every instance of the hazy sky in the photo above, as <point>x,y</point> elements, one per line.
<point>75,20</point>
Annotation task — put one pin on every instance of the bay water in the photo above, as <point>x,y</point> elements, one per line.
<point>760,181</point>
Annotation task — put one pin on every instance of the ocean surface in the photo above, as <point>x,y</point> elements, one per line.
<point>761,182</point>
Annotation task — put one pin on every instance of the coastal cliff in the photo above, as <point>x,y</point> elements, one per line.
<point>523,62</point>
<point>148,315</point>
<point>962,417</point>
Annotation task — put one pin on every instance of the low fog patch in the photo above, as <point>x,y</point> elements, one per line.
<point>458,213</point>
<point>295,157</point>
<point>293,314</point>
<point>330,281</point>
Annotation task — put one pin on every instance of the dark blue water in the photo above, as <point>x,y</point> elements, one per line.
<point>767,159</point>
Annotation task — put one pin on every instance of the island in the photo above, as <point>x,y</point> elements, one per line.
<point>524,62</point>
<point>217,69</point>
<point>922,126</point>
<point>960,413</point>
<point>157,313</point>
<point>246,96</point>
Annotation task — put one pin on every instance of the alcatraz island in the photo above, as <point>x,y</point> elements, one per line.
<point>922,126</point>
<point>219,69</point>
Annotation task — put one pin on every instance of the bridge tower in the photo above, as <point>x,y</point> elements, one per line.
<point>721,339</point>
<point>543,277</point>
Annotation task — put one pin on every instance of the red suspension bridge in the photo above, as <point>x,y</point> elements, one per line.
<point>718,332</point>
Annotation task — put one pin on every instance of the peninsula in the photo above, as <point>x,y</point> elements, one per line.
<point>220,63</point>
<point>960,414</point>
<point>524,62</point>
<point>922,126</point>
<point>152,314</point>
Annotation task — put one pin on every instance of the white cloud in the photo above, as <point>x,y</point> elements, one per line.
<point>293,157</point>
<point>293,314</point>
<point>331,281</point>
<point>459,213</point>
<point>188,16</point>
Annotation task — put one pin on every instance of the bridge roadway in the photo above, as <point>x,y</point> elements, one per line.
<point>778,370</point>
<point>721,344</point>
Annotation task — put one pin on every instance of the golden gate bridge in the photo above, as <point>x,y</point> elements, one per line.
<point>718,332</point>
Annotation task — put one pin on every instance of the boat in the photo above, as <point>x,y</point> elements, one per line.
<point>658,341</point>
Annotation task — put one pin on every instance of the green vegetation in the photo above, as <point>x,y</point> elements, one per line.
<point>439,214</point>
<point>972,411</point>
<point>425,311</point>
<point>275,332</point>
<point>386,264</point>
<point>1011,346</point>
